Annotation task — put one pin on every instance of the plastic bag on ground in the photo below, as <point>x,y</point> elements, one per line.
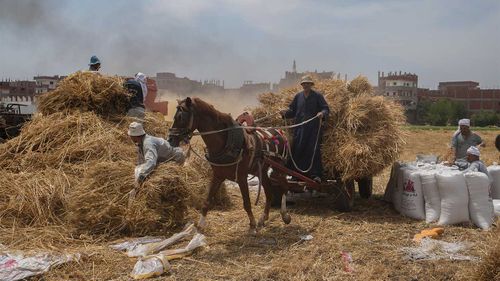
<point>17,266</point>
<point>131,244</point>
<point>430,249</point>
<point>480,204</point>
<point>156,265</point>
<point>199,240</point>
<point>149,267</point>
<point>150,248</point>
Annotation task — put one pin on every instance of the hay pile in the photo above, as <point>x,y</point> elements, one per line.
<point>86,91</point>
<point>489,266</point>
<point>363,133</point>
<point>75,168</point>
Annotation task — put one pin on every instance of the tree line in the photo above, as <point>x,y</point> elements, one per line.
<point>444,112</point>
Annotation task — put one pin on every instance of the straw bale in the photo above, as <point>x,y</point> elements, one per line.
<point>85,91</point>
<point>100,204</point>
<point>33,198</point>
<point>360,85</point>
<point>363,133</point>
<point>50,141</point>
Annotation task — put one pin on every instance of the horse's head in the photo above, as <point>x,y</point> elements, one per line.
<point>184,123</point>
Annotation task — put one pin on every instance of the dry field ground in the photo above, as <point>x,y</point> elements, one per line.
<point>373,233</point>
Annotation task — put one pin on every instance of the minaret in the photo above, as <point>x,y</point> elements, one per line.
<point>294,67</point>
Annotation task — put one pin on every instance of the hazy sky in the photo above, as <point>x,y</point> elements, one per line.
<point>254,39</point>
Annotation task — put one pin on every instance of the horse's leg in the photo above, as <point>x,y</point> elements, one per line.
<point>245,194</point>
<point>214,187</point>
<point>284,214</point>
<point>282,191</point>
<point>266,184</point>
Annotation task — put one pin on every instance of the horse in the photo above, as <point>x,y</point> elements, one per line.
<point>233,153</point>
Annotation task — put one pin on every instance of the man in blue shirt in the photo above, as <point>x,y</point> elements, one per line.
<point>307,104</point>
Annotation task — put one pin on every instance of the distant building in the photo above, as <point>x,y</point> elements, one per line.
<point>46,83</point>
<point>212,86</point>
<point>251,88</point>
<point>22,92</point>
<point>292,78</point>
<point>469,93</point>
<point>181,86</point>
<point>402,88</point>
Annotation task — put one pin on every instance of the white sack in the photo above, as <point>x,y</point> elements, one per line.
<point>454,198</point>
<point>412,197</point>
<point>431,196</point>
<point>494,171</point>
<point>496,207</point>
<point>398,190</point>
<point>480,204</point>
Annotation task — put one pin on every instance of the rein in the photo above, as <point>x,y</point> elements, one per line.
<point>252,127</point>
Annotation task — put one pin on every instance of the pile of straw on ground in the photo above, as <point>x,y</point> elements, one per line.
<point>489,266</point>
<point>86,91</point>
<point>75,167</point>
<point>363,133</point>
<point>33,198</point>
<point>101,203</point>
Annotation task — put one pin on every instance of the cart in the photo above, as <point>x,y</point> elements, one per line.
<point>342,192</point>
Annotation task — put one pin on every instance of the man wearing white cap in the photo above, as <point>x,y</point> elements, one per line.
<point>463,139</point>
<point>151,151</point>
<point>475,165</point>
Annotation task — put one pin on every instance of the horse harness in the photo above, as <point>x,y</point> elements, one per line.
<point>233,149</point>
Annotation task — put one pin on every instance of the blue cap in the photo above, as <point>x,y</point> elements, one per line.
<point>94,60</point>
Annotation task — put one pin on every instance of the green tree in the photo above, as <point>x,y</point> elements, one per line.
<point>485,118</point>
<point>444,112</point>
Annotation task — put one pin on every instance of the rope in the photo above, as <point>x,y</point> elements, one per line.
<point>251,127</point>
<point>313,155</point>
<point>216,164</point>
<point>265,117</point>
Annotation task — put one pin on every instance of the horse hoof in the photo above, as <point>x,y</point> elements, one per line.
<point>252,231</point>
<point>202,223</point>
<point>286,218</point>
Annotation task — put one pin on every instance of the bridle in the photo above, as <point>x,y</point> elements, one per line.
<point>185,133</point>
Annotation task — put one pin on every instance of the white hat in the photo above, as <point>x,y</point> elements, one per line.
<point>135,129</point>
<point>464,122</point>
<point>306,79</point>
<point>474,151</point>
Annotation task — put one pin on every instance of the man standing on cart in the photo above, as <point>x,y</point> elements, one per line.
<point>307,138</point>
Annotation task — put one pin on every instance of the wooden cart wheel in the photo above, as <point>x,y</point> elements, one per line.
<point>365,186</point>
<point>344,199</point>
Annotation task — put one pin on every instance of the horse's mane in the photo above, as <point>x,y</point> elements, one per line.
<point>208,109</point>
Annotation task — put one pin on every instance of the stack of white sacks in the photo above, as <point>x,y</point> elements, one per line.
<point>442,194</point>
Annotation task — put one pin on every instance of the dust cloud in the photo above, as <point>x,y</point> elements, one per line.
<point>231,103</point>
